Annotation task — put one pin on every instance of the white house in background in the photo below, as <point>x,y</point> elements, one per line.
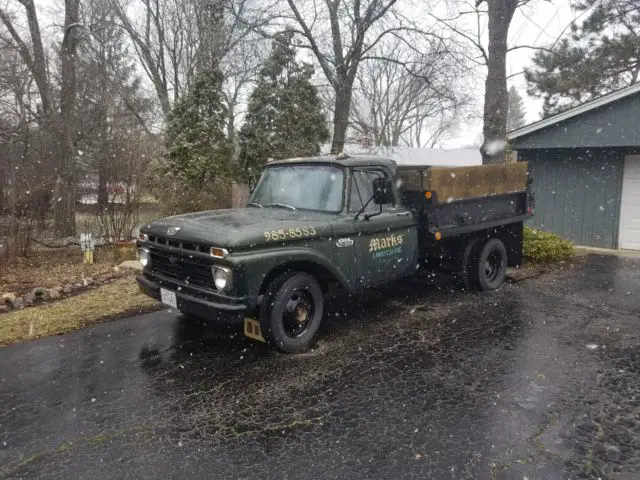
<point>459,157</point>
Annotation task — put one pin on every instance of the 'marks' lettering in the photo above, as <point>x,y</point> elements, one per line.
<point>377,244</point>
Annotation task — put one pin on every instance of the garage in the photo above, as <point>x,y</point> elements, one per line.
<point>585,164</point>
<point>630,204</point>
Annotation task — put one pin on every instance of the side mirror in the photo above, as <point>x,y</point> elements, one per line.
<point>382,191</point>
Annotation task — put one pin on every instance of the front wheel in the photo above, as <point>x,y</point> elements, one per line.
<point>491,265</point>
<point>291,311</point>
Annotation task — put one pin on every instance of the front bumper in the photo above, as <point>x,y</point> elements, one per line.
<point>197,301</point>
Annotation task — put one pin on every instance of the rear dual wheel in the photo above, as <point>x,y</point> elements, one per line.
<point>483,265</point>
<point>491,267</point>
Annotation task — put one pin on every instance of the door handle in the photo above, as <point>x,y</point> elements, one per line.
<point>403,214</point>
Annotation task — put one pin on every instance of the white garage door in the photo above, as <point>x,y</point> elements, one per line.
<point>630,205</point>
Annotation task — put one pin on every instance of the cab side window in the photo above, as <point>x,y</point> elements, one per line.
<point>362,189</point>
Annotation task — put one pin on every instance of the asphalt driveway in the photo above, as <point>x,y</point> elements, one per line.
<point>539,380</point>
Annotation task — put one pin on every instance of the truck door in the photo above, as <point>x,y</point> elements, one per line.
<point>385,244</point>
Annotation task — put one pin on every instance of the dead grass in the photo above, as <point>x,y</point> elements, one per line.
<point>115,299</point>
<point>51,267</point>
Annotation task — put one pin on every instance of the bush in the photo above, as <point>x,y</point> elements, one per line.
<point>546,247</point>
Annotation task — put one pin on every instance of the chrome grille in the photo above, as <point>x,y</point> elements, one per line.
<point>170,242</point>
<point>174,265</point>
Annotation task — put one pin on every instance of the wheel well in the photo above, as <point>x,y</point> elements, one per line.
<point>323,275</point>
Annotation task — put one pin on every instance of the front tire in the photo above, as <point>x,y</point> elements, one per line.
<point>491,265</point>
<point>291,311</point>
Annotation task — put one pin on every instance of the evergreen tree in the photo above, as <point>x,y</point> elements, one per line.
<point>516,114</point>
<point>198,153</point>
<point>284,115</point>
<point>600,55</point>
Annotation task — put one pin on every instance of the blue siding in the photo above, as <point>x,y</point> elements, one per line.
<point>613,125</point>
<point>577,193</point>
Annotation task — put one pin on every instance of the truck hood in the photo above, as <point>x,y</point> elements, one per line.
<point>242,227</point>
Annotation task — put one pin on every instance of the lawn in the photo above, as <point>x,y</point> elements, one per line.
<point>116,299</point>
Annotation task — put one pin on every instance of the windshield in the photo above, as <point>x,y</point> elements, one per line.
<point>306,187</point>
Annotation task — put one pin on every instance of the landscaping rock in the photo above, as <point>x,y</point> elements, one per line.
<point>54,293</point>
<point>87,281</point>
<point>4,308</point>
<point>68,288</point>
<point>40,294</point>
<point>116,269</point>
<point>28,299</point>
<point>8,298</point>
<point>131,265</point>
<point>18,303</point>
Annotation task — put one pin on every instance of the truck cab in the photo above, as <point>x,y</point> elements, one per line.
<point>311,224</point>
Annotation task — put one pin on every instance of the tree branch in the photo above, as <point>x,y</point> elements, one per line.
<point>531,47</point>
<point>312,42</point>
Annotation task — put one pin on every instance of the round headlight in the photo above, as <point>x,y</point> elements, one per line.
<point>144,257</point>
<point>222,278</point>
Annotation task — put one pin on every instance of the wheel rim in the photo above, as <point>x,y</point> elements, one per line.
<point>493,266</point>
<point>298,313</point>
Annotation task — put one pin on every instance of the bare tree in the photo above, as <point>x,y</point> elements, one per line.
<point>66,184</point>
<point>58,119</point>
<point>240,68</point>
<point>495,93</point>
<point>25,173</point>
<point>355,27</point>
<point>15,87</point>
<point>492,53</point>
<point>164,34</point>
<point>172,36</point>
<point>32,54</point>
<point>111,103</point>
<point>408,97</point>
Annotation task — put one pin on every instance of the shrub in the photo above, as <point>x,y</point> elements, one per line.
<point>546,247</point>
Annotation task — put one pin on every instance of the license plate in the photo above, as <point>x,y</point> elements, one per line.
<point>252,329</point>
<point>168,298</point>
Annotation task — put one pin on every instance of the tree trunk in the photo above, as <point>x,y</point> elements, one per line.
<point>103,196</point>
<point>65,207</point>
<point>231,121</point>
<point>496,96</point>
<point>341,110</point>
<point>39,68</point>
<point>64,214</point>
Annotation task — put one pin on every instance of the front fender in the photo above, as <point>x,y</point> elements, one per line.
<point>254,267</point>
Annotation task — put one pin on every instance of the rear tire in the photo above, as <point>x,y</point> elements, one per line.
<point>491,265</point>
<point>291,311</point>
<point>467,264</point>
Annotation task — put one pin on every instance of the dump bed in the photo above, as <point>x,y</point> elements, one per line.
<point>458,200</point>
<point>461,183</point>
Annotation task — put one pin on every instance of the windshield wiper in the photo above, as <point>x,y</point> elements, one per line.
<point>281,205</point>
<point>255,204</point>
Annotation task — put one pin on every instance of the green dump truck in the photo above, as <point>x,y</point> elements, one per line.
<point>314,224</point>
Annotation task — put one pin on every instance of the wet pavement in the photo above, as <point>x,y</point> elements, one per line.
<point>539,380</point>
